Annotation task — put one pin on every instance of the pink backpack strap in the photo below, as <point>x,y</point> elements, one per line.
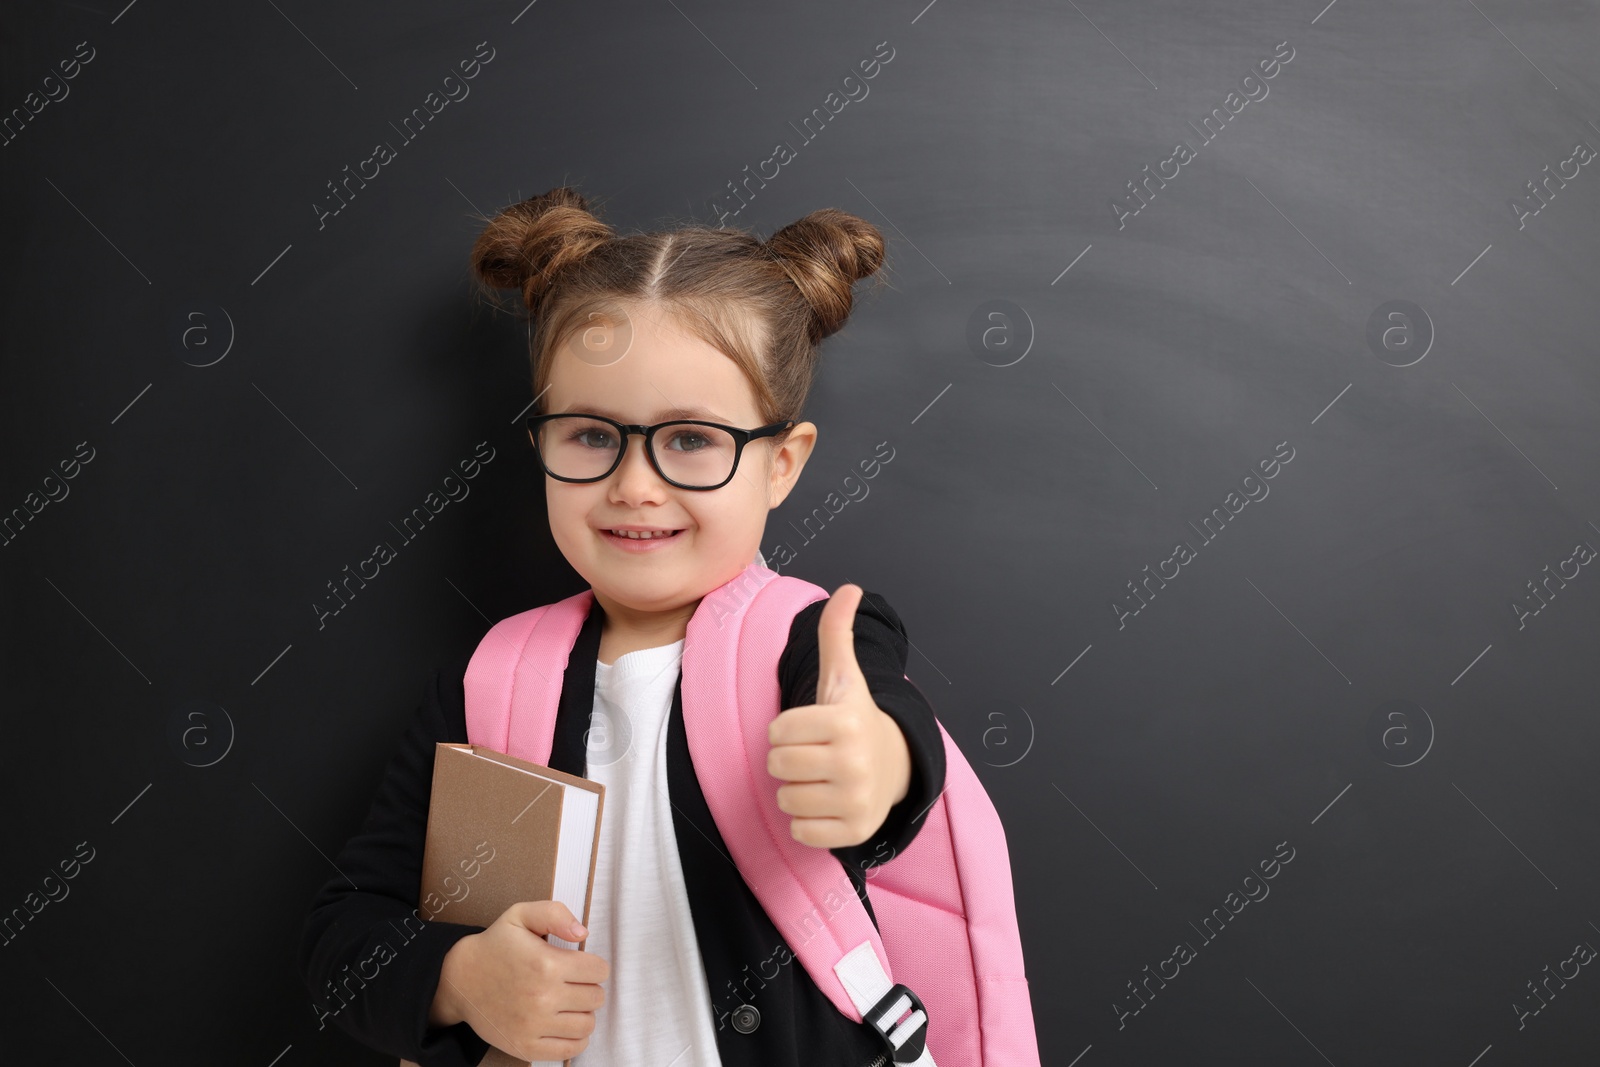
<point>731,651</point>
<point>513,680</point>
<point>949,919</point>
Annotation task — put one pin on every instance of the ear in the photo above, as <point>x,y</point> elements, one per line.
<point>788,460</point>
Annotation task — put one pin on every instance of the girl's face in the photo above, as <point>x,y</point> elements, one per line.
<point>665,373</point>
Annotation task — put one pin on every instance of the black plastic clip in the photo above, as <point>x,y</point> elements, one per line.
<point>879,1017</point>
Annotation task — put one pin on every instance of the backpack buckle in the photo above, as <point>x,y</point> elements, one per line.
<point>912,1034</point>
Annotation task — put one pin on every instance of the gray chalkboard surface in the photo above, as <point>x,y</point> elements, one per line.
<point>1232,413</point>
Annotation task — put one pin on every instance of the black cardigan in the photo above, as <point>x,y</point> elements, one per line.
<point>374,975</point>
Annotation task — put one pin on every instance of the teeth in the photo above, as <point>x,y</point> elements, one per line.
<point>635,535</point>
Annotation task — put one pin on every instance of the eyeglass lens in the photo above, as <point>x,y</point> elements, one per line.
<point>691,454</point>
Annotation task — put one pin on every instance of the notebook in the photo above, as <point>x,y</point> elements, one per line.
<point>503,830</point>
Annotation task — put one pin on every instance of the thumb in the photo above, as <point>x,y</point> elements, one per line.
<point>838,671</point>
<point>549,917</point>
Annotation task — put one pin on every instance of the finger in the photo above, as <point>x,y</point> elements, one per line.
<point>541,917</point>
<point>807,724</point>
<point>837,669</point>
<point>588,998</point>
<point>791,762</point>
<point>583,983</point>
<point>574,968</point>
<point>812,800</point>
<point>570,1025</point>
<point>821,833</point>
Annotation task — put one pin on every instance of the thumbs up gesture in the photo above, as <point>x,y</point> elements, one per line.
<point>845,759</point>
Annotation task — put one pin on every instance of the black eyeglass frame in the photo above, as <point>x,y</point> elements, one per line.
<point>627,429</point>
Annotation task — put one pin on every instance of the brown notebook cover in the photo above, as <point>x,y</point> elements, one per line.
<point>498,830</point>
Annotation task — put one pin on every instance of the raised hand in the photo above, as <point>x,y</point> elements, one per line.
<point>844,758</point>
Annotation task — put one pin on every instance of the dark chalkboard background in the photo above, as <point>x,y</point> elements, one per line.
<point>1370,661</point>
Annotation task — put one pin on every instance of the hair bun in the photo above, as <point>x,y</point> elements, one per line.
<point>525,245</point>
<point>825,254</point>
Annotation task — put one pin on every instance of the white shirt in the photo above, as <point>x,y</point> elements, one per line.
<point>658,1004</point>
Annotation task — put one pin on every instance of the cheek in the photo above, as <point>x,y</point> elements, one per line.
<point>734,514</point>
<point>568,513</point>
<point>736,538</point>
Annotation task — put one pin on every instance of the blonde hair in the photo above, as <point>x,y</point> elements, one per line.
<point>765,304</point>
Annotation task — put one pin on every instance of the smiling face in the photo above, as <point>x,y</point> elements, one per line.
<point>649,595</point>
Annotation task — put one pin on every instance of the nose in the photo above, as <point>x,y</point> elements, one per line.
<point>635,479</point>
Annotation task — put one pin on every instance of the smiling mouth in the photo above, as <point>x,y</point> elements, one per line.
<point>635,535</point>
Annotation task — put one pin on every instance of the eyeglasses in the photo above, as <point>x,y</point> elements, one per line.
<point>690,454</point>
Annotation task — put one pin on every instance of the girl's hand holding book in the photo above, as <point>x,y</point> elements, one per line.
<point>845,759</point>
<point>523,995</point>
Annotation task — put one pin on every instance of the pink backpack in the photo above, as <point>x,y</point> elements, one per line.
<point>949,959</point>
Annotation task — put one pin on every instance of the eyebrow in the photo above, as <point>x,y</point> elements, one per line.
<point>660,416</point>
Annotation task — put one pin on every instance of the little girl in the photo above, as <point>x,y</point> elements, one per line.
<point>681,966</point>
